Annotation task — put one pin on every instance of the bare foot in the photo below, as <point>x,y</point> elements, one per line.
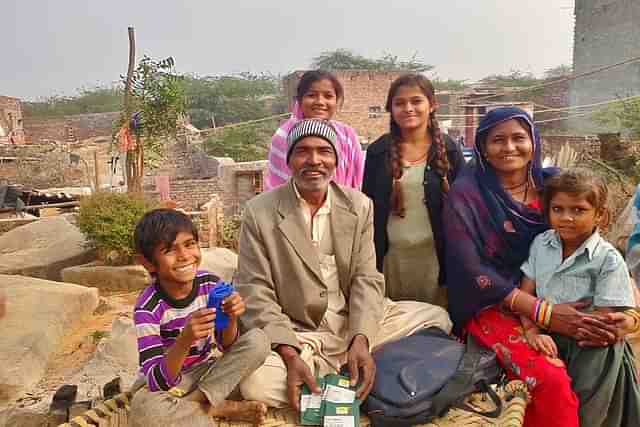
<point>244,410</point>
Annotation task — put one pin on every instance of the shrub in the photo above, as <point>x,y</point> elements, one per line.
<point>108,221</point>
<point>231,232</point>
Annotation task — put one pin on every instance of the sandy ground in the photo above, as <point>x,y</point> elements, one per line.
<point>77,349</point>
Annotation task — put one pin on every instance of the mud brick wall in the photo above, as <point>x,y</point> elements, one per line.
<point>184,160</point>
<point>11,120</point>
<point>70,128</point>
<point>241,182</point>
<point>49,165</point>
<point>365,95</point>
<point>189,194</point>
<point>201,221</point>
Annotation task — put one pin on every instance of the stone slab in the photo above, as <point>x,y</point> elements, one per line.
<point>39,314</point>
<point>43,248</point>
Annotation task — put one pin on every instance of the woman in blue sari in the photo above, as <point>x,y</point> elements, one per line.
<point>491,216</point>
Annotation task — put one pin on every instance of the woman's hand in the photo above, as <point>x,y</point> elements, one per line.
<point>566,319</point>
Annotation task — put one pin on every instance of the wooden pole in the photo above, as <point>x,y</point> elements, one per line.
<point>44,205</point>
<point>96,169</point>
<point>132,184</point>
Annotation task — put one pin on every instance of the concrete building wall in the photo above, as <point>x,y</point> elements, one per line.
<point>606,32</point>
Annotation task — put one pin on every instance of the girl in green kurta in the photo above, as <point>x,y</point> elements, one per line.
<point>571,263</point>
<point>407,174</point>
<point>411,258</point>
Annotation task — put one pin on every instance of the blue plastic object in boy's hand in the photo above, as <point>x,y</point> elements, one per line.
<point>216,295</point>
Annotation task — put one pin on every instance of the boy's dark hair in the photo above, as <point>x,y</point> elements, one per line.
<point>310,77</point>
<point>160,227</point>
<point>577,182</point>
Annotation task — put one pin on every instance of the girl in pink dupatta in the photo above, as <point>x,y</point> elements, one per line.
<point>318,95</point>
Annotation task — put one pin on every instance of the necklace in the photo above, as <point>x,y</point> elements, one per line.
<point>522,184</point>
<point>416,161</point>
<point>525,191</point>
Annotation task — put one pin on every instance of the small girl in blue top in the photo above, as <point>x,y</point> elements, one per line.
<point>572,263</point>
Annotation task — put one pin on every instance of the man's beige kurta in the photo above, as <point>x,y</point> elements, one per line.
<point>284,275</point>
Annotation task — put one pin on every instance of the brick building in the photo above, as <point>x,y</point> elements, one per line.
<point>473,112</point>
<point>193,178</point>
<point>365,96</point>
<point>56,164</point>
<point>11,124</point>
<point>70,128</point>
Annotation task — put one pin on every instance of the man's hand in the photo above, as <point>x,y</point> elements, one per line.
<point>233,305</point>
<point>597,331</point>
<point>199,325</point>
<point>618,324</point>
<point>359,359</point>
<point>298,373</point>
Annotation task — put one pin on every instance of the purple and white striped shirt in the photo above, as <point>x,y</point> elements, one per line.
<point>159,319</point>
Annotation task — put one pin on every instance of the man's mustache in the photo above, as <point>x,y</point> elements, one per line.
<point>319,170</point>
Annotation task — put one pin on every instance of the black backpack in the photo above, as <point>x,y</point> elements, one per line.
<point>419,377</point>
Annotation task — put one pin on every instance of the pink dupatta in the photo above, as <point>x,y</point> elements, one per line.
<point>350,166</point>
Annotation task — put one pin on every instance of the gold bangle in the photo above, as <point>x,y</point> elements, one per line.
<point>542,313</point>
<point>547,318</point>
<point>514,297</point>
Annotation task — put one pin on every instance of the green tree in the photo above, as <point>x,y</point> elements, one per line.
<point>561,71</point>
<point>243,143</point>
<point>449,84</point>
<point>230,99</point>
<point>99,99</point>
<point>623,116</point>
<point>515,78</point>
<point>157,96</point>
<point>344,59</point>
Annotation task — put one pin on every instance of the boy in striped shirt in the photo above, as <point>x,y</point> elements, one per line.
<point>175,333</point>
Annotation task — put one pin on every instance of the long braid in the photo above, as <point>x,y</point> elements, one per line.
<point>442,160</point>
<point>395,167</point>
<point>394,160</point>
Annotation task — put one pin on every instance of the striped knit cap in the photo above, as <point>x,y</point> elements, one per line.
<point>311,127</point>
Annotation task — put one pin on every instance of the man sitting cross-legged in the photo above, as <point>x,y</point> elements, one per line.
<point>307,272</point>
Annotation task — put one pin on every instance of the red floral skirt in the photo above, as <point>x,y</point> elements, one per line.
<point>553,401</point>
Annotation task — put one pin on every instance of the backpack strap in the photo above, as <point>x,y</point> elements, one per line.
<point>485,388</point>
<point>461,383</point>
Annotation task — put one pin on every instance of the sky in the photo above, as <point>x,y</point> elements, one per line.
<point>55,47</point>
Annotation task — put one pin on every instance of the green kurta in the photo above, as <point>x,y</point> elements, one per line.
<point>411,263</point>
